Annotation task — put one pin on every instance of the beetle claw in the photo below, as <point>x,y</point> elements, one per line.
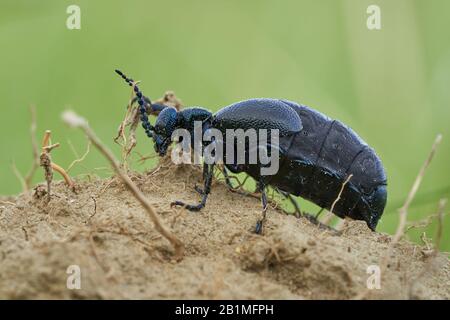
<point>177,203</point>
<point>187,206</point>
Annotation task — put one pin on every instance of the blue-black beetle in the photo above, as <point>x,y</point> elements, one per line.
<point>317,153</point>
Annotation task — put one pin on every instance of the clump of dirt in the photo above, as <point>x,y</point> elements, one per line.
<point>104,231</point>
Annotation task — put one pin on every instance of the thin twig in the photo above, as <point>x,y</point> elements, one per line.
<point>82,158</point>
<point>440,220</point>
<point>329,215</point>
<point>430,252</point>
<point>74,120</point>
<point>403,212</point>
<point>340,192</point>
<point>19,176</point>
<point>34,143</point>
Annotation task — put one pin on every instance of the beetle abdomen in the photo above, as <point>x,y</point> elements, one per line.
<point>333,152</point>
<point>333,146</point>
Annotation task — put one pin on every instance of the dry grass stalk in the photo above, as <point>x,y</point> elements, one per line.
<point>431,251</point>
<point>440,220</point>
<point>131,120</point>
<point>26,181</point>
<point>74,120</point>
<point>403,212</point>
<point>329,215</point>
<point>340,192</point>
<point>36,162</point>
<point>80,159</point>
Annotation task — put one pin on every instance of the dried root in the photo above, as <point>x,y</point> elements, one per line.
<point>131,120</point>
<point>48,165</point>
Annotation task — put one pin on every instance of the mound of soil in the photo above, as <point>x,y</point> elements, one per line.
<point>102,229</point>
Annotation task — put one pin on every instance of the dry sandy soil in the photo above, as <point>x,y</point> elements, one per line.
<point>105,231</point>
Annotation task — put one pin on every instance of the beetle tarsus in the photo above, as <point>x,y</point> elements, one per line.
<point>188,206</point>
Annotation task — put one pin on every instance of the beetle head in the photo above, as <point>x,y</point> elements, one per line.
<point>165,125</point>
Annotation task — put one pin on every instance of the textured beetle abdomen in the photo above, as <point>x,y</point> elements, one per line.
<point>333,146</point>
<point>339,149</point>
<point>258,114</point>
<point>368,172</point>
<point>307,143</point>
<point>335,151</point>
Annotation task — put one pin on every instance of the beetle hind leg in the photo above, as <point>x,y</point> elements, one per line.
<point>260,222</point>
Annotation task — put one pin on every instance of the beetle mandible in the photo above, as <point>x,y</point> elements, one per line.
<point>316,153</point>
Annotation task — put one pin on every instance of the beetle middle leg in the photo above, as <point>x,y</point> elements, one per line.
<point>260,222</point>
<point>205,192</point>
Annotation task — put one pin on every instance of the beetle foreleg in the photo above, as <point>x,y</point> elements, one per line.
<point>205,192</point>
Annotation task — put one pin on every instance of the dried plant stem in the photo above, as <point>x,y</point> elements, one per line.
<point>74,120</point>
<point>64,174</point>
<point>430,252</point>
<point>46,138</point>
<point>88,148</point>
<point>403,212</point>
<point>19,176</point>
<point>440,220</point>
<point>35,165</point>
<point>329,215</point>
<point>131,119</point>
<point>46,162</point>
<point>340,192</point>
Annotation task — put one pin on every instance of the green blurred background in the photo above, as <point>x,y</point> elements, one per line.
<point>390,85</point>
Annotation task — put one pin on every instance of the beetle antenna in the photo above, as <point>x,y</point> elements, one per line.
<point>142,108</point>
